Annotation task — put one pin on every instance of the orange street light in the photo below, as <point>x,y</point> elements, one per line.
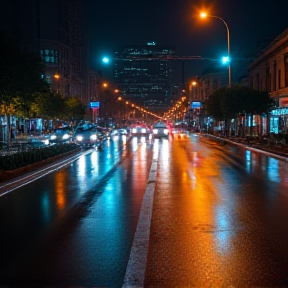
<point>205,15</point>
<point>57,76</point>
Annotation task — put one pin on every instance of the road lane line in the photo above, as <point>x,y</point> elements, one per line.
<point>135,271</point>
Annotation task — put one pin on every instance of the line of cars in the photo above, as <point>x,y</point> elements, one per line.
<point>88,134</point>
<point>160,129</point>
<point>85,134</point>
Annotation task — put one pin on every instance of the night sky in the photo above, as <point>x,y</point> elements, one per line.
<point>112,23</point>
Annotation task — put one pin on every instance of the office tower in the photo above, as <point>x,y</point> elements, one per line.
<point>143,75</point>
<point>52,28</point>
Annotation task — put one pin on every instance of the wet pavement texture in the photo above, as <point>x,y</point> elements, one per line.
<point>75,226</point>
<point>219,218</point>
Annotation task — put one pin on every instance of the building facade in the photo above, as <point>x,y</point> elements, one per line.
<point>143,75</point>
<point>54,30</point>
<point>208,82</point>
<point>269,72</point>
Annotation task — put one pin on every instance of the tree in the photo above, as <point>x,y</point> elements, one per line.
<point>30,83</point>
<point>74,109</point>
<point>20,79</point>
<point>50,105</point>
<point>226,103</point>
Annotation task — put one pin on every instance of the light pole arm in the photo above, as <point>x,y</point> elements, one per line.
<point>228,44</point>
<point>228,32</point>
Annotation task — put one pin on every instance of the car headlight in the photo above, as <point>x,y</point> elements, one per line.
<point>143,130</point>
<point>53,137</point>
<point>155,131</point>
<point>65,136</point>
<point>166,131</point>
<point>79,138</point>
<point>134,130</point>
<point>93,137</point>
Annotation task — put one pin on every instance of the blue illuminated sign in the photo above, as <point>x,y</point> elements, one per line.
<point>94,104</point>
<point>195,105</point>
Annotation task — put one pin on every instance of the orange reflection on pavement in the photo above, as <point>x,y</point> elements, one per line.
<point>187,208</point>
<point>60,189</point>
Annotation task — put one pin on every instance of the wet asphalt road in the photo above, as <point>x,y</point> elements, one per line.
<point>219,219</point>
<point>75,226</point>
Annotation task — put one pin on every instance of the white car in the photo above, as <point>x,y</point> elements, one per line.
<point>88,137</point>
<point>160,129</point>
<point>140,130</point>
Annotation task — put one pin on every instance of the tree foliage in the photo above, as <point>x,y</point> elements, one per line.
<point>75,108</point>
<point>20,77</point>
<point>226,103</point>
<point>49,106</point>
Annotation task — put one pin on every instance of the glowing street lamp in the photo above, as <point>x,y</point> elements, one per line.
<point>105,60</point>
<point>225,59</point>
<point>57,78</point>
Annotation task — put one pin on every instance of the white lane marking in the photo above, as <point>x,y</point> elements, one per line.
<point>135,271</point>
<point>26,179</point>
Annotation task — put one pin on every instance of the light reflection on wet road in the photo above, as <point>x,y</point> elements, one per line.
<point>52,241</point>
<point>219,218</point>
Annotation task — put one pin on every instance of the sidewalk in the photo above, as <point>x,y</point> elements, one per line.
<point>276,150</point>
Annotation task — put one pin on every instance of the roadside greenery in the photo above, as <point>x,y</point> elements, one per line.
<point>226,103</point>
<point>24,92</point>
<point>25,158</point>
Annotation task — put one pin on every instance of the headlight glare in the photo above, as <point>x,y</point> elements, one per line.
<point>79,138</point>
<point>65,136</point>
<point>93,137</point>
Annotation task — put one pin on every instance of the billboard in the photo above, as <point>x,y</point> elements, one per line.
<point>94,104</point>
<point>195,105</point>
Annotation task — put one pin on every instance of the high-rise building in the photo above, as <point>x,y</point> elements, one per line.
<point>52,28</point>
<point>143,75</point>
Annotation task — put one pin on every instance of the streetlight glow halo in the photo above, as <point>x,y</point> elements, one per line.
<point>105,60</point>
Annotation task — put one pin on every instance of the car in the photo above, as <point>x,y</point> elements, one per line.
<point>139,130</point>
<point>89,136</point>
<point>119,132</point>
<point>61,135</point>
<point>122,131</point>
<point>160,129</point>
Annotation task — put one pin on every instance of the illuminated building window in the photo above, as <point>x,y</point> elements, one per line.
<point>49,56</point>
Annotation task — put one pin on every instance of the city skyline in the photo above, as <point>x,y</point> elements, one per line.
<point>251,24</point>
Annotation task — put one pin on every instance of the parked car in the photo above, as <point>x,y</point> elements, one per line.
<point>61,135</point>
<point>160,129</point>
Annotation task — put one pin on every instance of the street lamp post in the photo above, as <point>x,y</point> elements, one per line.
<point>204,15</point>
<point>57,78</point>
